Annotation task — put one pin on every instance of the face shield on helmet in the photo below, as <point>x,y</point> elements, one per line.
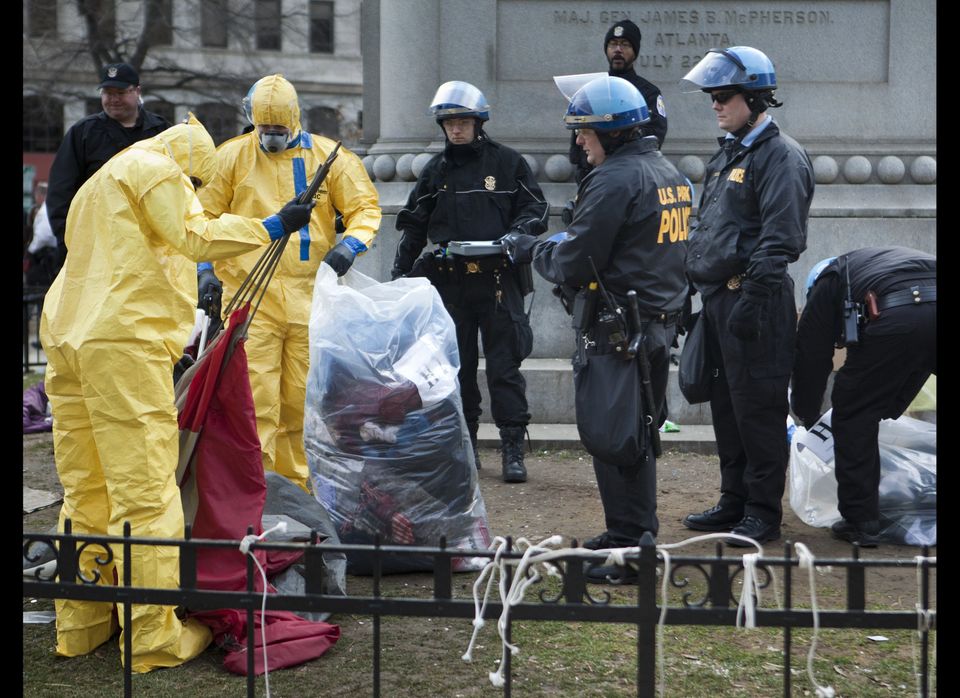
<point>272,106</point>
<point>816,271</point>
<point>457,99</point>
<point>606,104</point>
<point>738,66</point>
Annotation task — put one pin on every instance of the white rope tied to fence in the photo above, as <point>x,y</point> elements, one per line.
<point>923,622</point>
<point>747,608</point>
<point>245,544</point>
<point>807,562</point>
<point>541,554</point>
<point>525,575</point>
<point>664,551</point>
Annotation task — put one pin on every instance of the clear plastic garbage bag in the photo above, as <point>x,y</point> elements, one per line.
<point>908,478</point>
<point>386,441</point>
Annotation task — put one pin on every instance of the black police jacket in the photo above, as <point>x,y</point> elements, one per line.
<point>87,145</point>
<point>631,218</point>
<point>657,126</point>
<point>753,212</point>
<point>879,269</point>
<point>479,191</point>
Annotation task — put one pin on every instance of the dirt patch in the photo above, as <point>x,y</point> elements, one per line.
<point>561,497</point>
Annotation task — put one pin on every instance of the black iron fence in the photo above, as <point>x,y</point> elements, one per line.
<point>32,304</point>
<point>710,586</point>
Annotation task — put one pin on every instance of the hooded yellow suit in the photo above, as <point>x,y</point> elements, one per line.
<point>114,323</point>
<point>252,182</point>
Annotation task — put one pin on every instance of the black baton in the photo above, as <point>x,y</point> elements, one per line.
<point>636,347</point>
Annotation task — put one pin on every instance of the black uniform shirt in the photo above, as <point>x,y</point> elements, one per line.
<point>87,145</point>
<point>753,212</point>
<point>631,218</point>
<point>479,191</point>
<point>880,269</point>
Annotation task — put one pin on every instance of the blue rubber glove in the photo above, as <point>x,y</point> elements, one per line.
<point>341,255</point>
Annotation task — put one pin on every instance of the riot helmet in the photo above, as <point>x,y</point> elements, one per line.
<point>606,103</point>
<point>816,271</point>
<point>741,68</point>
<point>457,100</point>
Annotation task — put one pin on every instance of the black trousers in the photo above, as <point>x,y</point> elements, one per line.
<point>489,304</point>
<point>749,402</point>
<point>630,505</point>
<point>881,376</point>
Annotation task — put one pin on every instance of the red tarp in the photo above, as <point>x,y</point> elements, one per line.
<point>227,473</point>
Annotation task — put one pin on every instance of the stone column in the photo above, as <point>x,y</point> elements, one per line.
<point>406,75</point>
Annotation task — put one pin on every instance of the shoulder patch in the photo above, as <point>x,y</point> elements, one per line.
<point>661,107</point>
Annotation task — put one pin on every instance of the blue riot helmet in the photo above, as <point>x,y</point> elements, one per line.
<point>606,104</point>
<point>457,100</point>
<point>739,66</point>
<point>816,271</point>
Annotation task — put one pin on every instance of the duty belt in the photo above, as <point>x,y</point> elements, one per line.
<point>477,265</point>
<point>908,296</point>
<point>664,318</point>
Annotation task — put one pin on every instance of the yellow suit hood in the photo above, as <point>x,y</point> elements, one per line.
<point>189,145</point>
<point>275,102</point>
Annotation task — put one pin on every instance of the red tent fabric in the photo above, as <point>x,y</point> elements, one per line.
<point>224,491</point>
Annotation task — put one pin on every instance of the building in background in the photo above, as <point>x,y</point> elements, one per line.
<point>196,55</point>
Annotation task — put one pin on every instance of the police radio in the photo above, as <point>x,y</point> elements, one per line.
<point>852,313</point>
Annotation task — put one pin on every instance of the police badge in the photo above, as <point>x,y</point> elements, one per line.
<point>489,183</point>
<point>112,71</point>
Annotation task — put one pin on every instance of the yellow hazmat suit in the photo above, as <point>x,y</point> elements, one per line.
<point>253,182</point>
<point>114,323</point>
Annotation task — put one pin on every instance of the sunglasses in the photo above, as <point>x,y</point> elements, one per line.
<point>722,96</point>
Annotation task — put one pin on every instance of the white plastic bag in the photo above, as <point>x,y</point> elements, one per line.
<point>387,445</point>
<point>908,478</point>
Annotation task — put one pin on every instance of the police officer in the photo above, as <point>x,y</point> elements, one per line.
<point>752,223</point>
<point>620,47</point>
<point>477,190</point>
<point>93,140</point>
<point>628,227</point>
<point>880,303</point>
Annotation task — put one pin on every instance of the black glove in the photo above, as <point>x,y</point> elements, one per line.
<point>686,313</point>
<point>341,255</point>
<point>518,247</point>
<point>209,290</point>
<point>746,318</point>
<point>566,215</point>
<point>294,216</point>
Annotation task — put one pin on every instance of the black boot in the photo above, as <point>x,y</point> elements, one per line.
<point>472,427</point>
<point>511,442</point>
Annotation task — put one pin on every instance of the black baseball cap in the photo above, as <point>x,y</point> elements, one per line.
<point>119,75</point>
